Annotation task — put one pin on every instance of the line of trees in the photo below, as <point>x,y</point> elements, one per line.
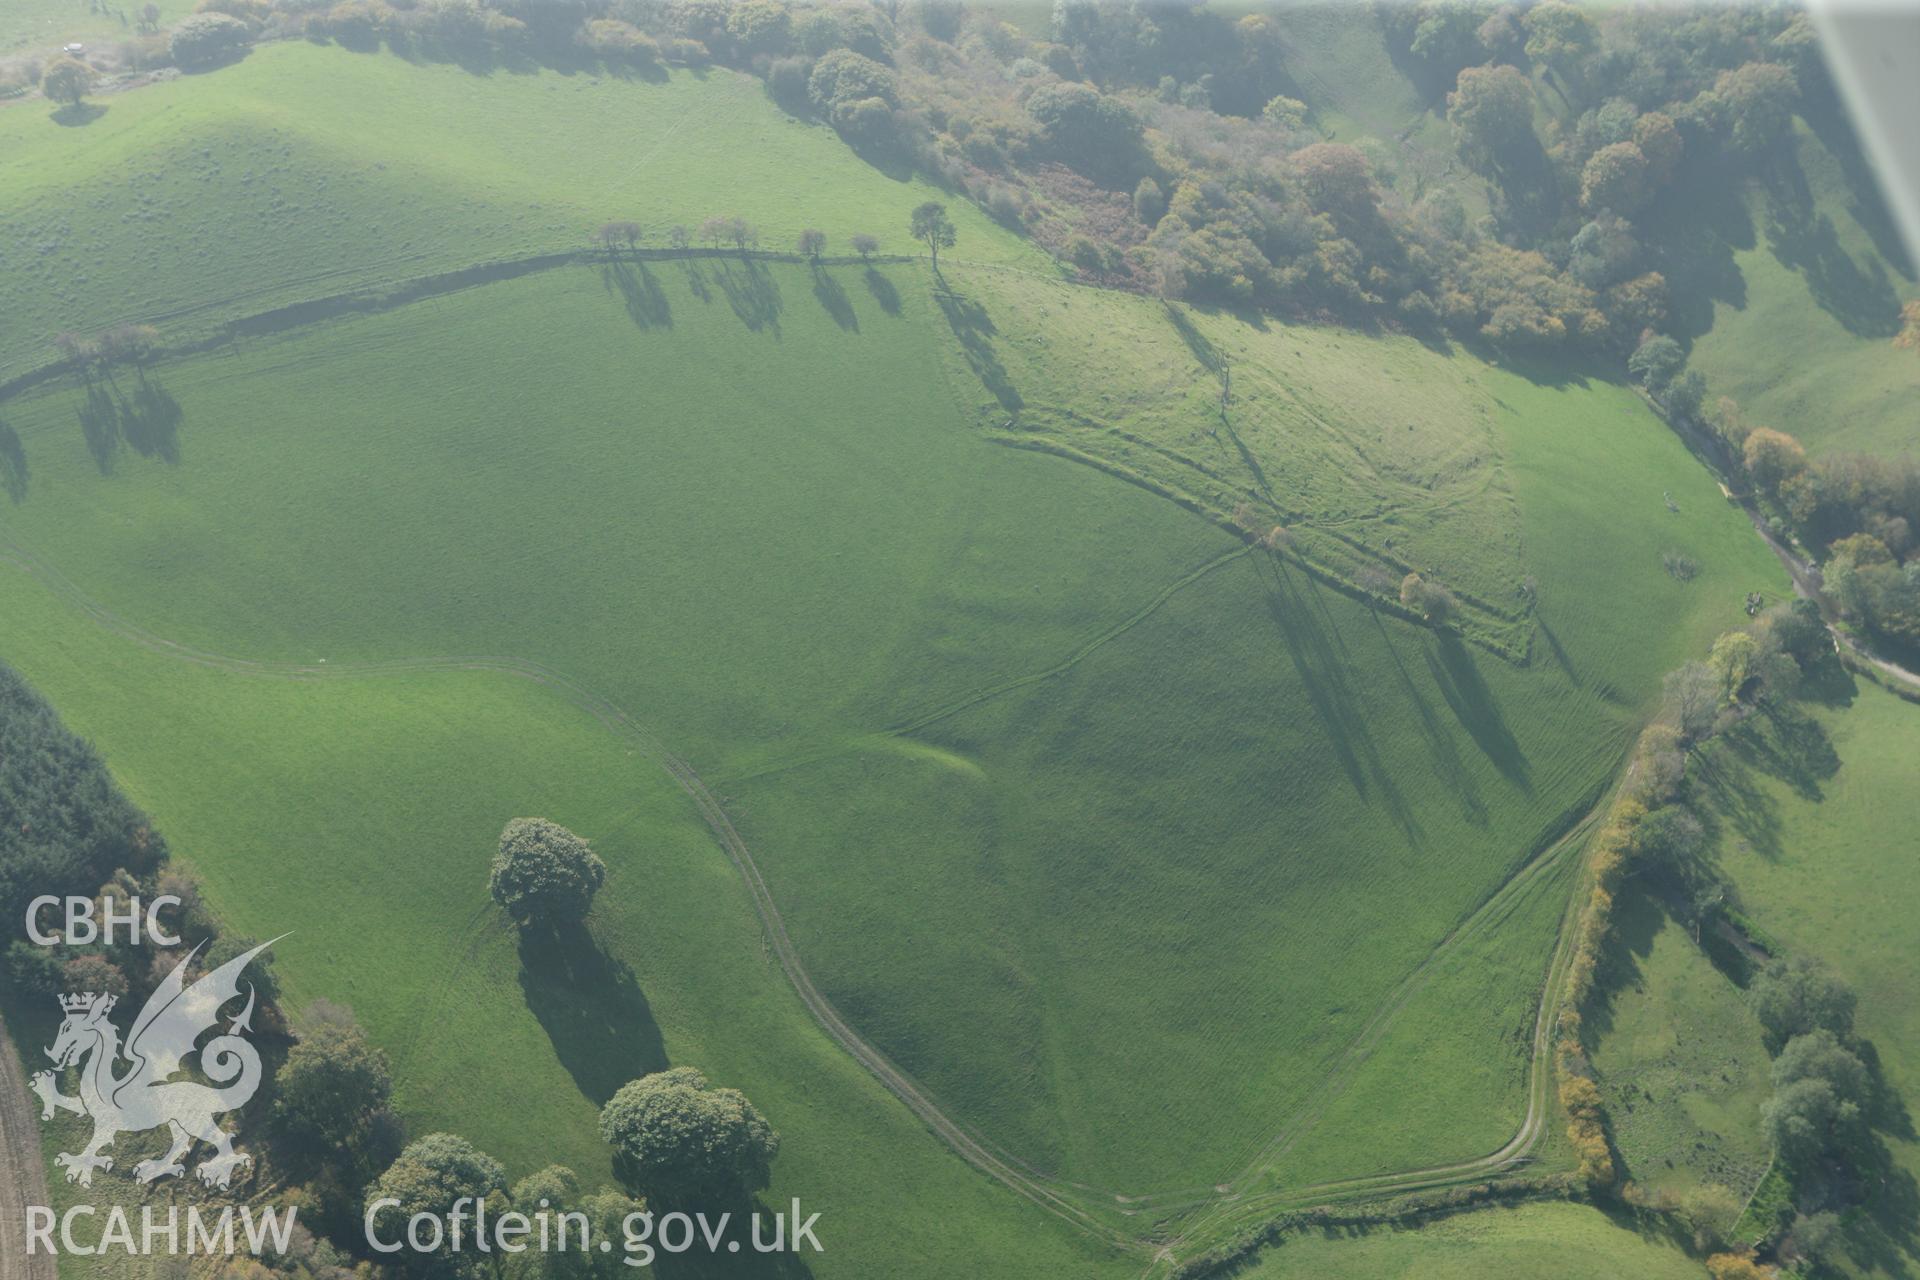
<point>1650,828</point>
<point>724,229</point>
<point>1817,1121</point>
<point>1200,172</point>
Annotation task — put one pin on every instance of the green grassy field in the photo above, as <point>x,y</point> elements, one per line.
<point>1814,819</point>
<point>1379,457</point>
<point>514,1049</point>
<point>1567,1241</point>
<point>1031,757</point>
<point>280,179</point>
<point>1332,790</point>
<point>1680,1062</point>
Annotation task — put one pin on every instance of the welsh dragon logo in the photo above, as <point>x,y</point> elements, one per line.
<point>147,1096</point>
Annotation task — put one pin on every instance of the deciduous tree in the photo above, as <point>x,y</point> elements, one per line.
<point>544,874</point>
<point>931,226</point>
<point>675,1136</point>
<point>66,81</point>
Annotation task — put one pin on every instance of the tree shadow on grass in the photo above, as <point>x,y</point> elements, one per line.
<point>13,464</point>
<point>833,296</point>
<point>752,293</point>
<point>592,1009</point>
<point>1559,653</point>
<point>150,422</point>
<point>1693,236</point>
<point>1316,652</point>
<point>1786,743</point>
<point>1804,240</point>
<point>1447,764</point>
<point>975,329</point>
<point>1474,705</point>
<point>1827,117</point>
<point>640,290</point>
<point>147,421</point>
<point>1828,682</point>
<point>78,115</point>
<point>696,280</point>
<point>883,291</point>
<point>1729,798</point>
<point>1781,742</point>
<point>1883,1234</point>
<point>1638,917</point>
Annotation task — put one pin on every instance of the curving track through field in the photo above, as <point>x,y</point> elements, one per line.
<point>1224,1208</point>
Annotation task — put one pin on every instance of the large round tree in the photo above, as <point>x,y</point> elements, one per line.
<point>431,1176</point>
<point>544,874</point>
<point>674,1137</point>
<point>332,1086</point>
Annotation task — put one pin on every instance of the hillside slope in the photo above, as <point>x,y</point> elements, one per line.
<point>282,179</point>
<point>1031,749</point>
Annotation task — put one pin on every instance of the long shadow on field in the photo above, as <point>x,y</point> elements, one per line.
<point>883,291</point>
<point>13,464</point>
<point>1803,239</point>
<point>1785,742</point>
<point>1317,655</point>
<point>1447,764</point>
<point>1693,236</point>
<point>1827,117</point>
<point>1638,917</point>
<point>696,280</point>
<point>1559,653</point>
<point>147,419</point>
<point>829,293</point>
<point>752,294</point>
<point>975,329</point>
<point>1778,742</point>
<point>640,290</point>
<point>1474,705</point>
<point>593,1011</point>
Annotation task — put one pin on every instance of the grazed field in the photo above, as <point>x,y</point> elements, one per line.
<point>1031,757</point>
<point>1170,735</point>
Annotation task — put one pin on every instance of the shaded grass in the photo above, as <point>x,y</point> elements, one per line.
<point>1803,341</point>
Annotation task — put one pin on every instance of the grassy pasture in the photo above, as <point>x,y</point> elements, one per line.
<point>1375,454</point>
<point>281,179</point>
<point>360,812</point>
<point>1814,819</point>
<point>1330,790</point>
<point>1030,760</point>
<point>1680,1061</point>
